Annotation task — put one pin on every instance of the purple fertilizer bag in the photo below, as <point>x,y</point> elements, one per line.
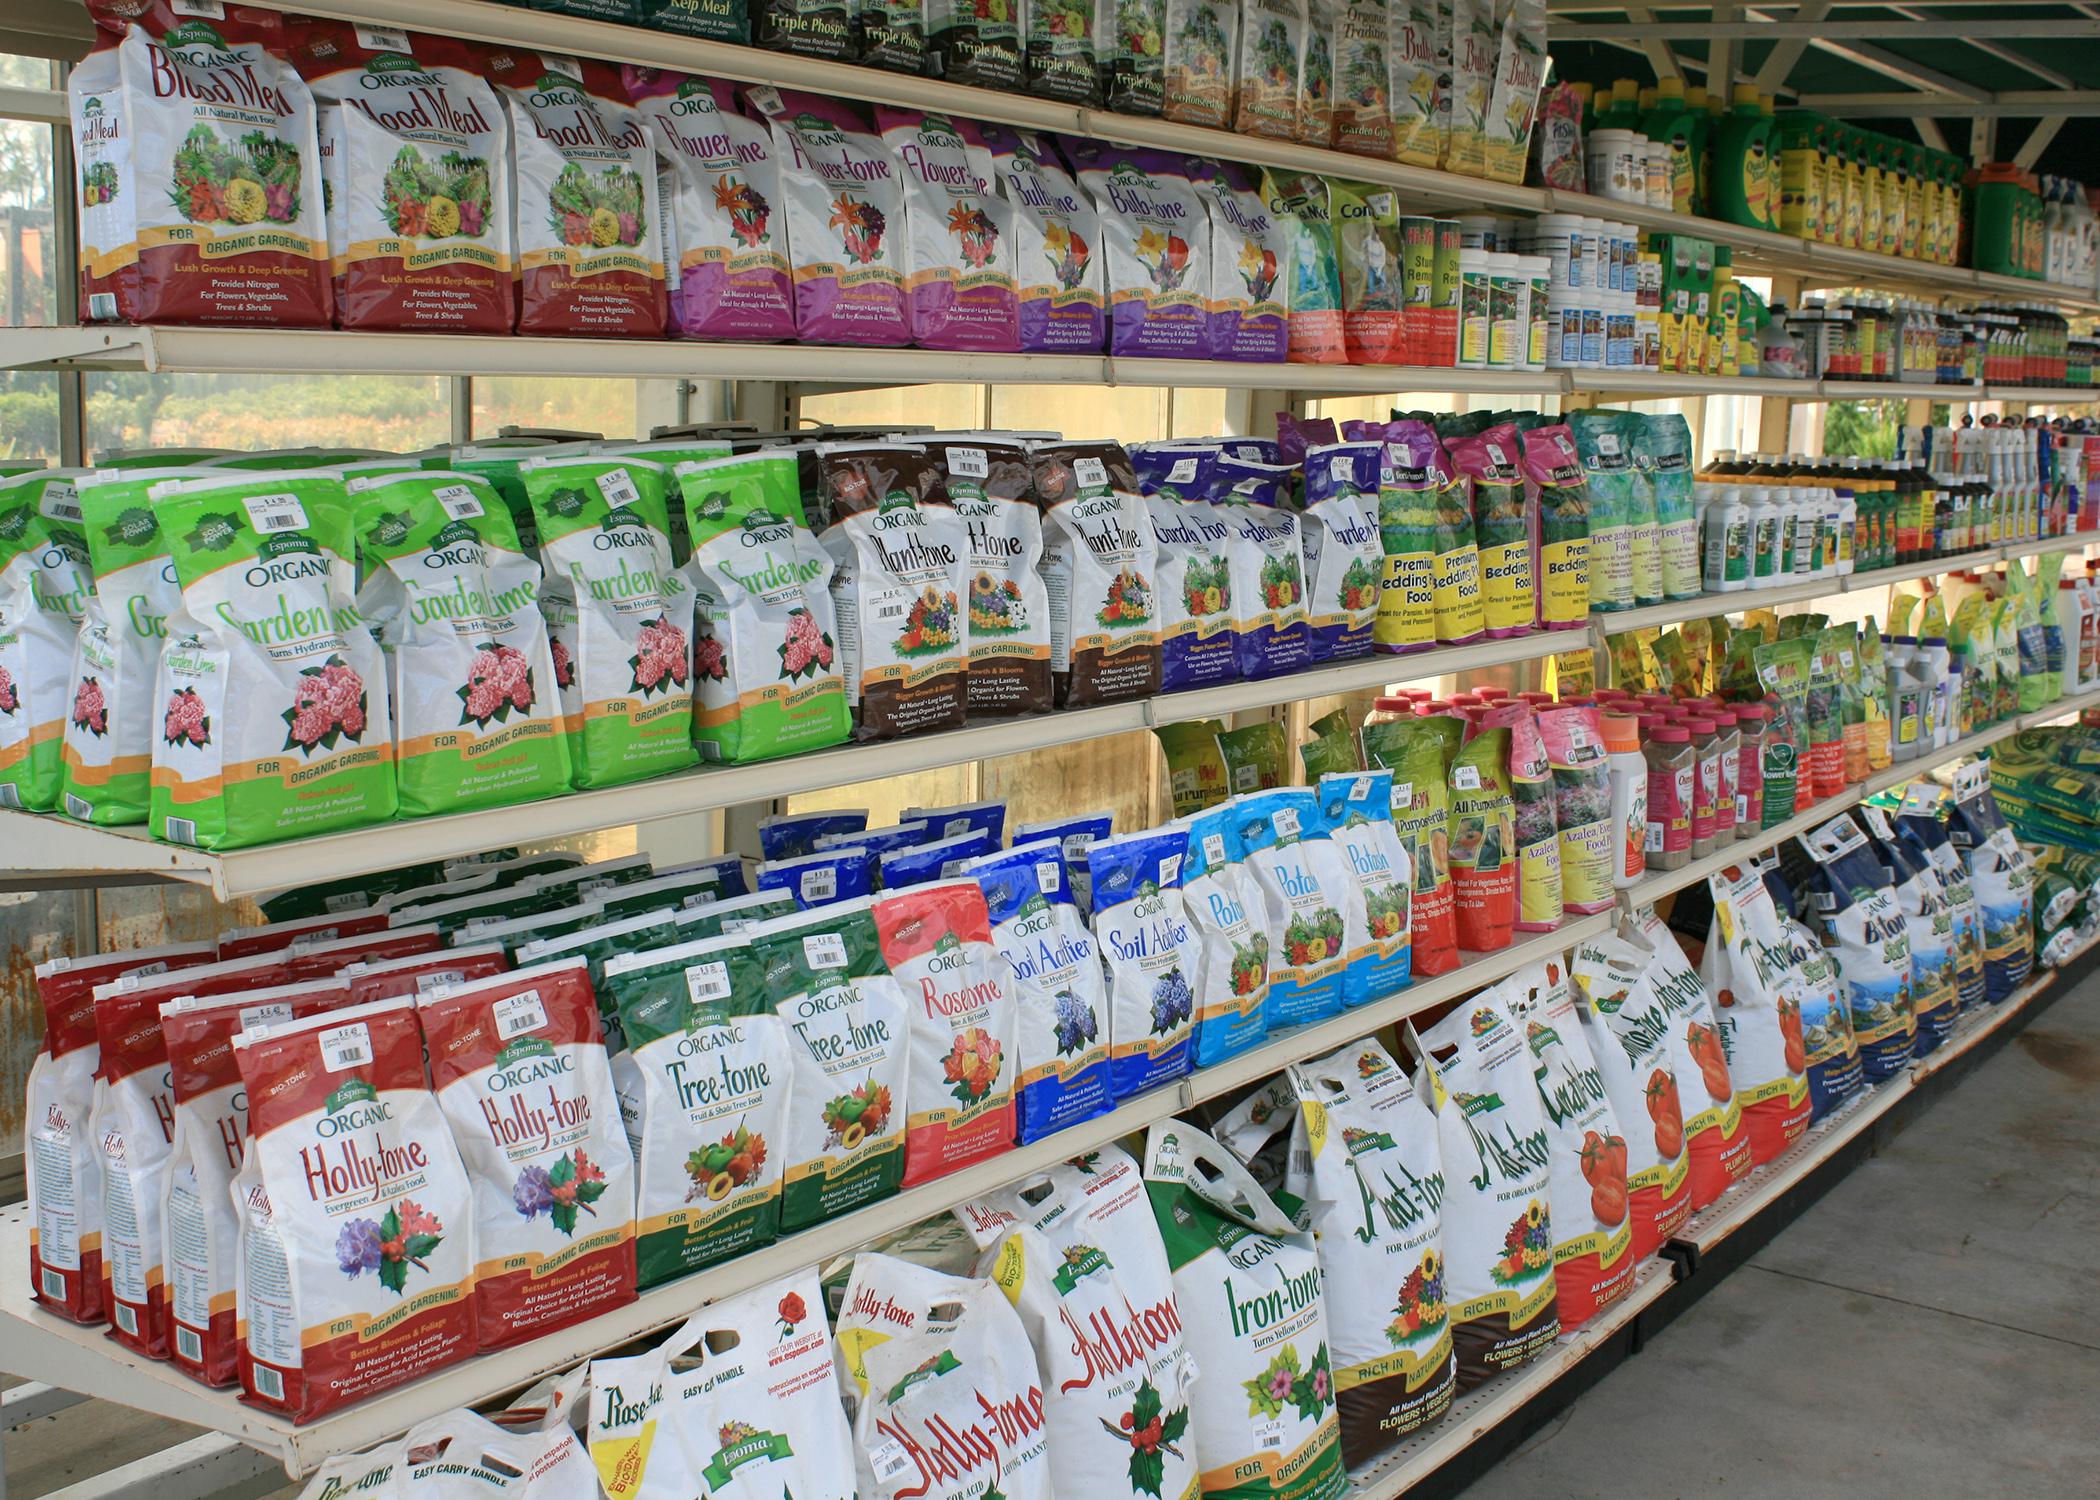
<point>1248,247</point>
<point>959,249</point>
<point>1056,239</point>
<point>1155,229</point>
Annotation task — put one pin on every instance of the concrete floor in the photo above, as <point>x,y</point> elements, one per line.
<point>1926,1329</point>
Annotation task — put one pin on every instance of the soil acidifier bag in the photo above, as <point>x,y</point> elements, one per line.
<point>46,585</point>
<point>1228,928</point>
<point>1142,923</point>
<point>267,636</point>
<point>959,256</point>
<point>1058,265</point>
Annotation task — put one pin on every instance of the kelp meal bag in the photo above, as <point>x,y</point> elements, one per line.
<point>1343,555</point>
<point>200,170</point>
<point>1099,562</point>
<point>959,248</point>
<point>845,210</point>
<point>1864,926</point>
<point>46,584</point>
<point>1748,969</point>
<point>1059,269</point>
<point>518,1063</point>
<point>1248,1284</point>
<point>741,1403</point>
<point>702,1094</point>
<point>1156,231</point>
<point>767,680</point>
<point>604,531</point>
<point>417,158</point>
<point>590,227</point>
<point>728,251</point>
<point>267,635</point>
<point>452,596</point>
<point>1248,320</point>
<point>357,1244</point>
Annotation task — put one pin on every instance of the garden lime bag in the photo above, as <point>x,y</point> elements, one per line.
<point>1629,1034</point>
<point>604,532</point>
<point>767,679</point>
<point>1099,563</point>
<point>268,635</point>
<point>1248,1284</point>
<point>1059,268</point>
<point>1307,902</point>
<point>1249,249</point>
<point>200,170</point>
<point>1864,925</point>
<point>1418,753</point>
<point>110,727</point>
<point>1713,1116</point>
<point>1155,231</point>
<point>1748,969</point>
<point>1505,527</point>
<point>959,246</point>
<point>1343,554</point>
<point>1150,949</point>
<point>1198,604</point>
<point>1407,520</point>
<point>416,156</point>
<point>1228,930</point>
<point>2003,880</point>
<point>453,598</point>
<point>46,585</point>
<point>357,1244</point>
<point>1372,866</point>
<point>1593,1260</point>
<point>702,1092</point>
<point>741,1403</point>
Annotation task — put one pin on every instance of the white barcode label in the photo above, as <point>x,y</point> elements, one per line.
<point>268,1382</point>
<point>1466,778</point>
<point>187,1344</point>
<point>969,463</point>
<point>1170,870</point>
<point>460,501</point>
<point>1246,778</point>
<point>256,1016</point>
<point>79,807</point>
<point>709,981</point>
<point>102,306</point>
<point>379,39</point>
<point>178,830</point>
<point>1182,471</point>
<point>476,926</point>
<point>1048,876</point>
<point>952,866</point>
<point>127,1318</point>
<point>889,1461</point>
<point>1496,455</point>
<point>55,1286</point>
<point>731,926</point>
<point>269,514</point>
<point>430,984</point>
<point>766,99</point>
<point>1608,444</point>
<point>158,966</point>
<point>890,606</point>
<point>1286,823</point>
<point>698,898</point>
<point>345,1047</point>
<point>617,486</point>
<point>61,502</point>
<point>208,10</point>
<point>1359,789</point>
<point>1270,1433</point>
<point>1214,849</point>
<point>1090,473</point>
<point>1341,468</point>
<point>824,950</point>
<point>956,828</point>
<point>518,1014</point>
<point>343,901</point>
<point>820,884</point>
<point>560,63</point>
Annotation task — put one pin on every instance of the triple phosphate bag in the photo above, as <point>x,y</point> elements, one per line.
<point>46,584</point>
<point>604,531</point>
<point>357,1231</point>
<point>273,693</point>
<point>959,252</point>
<point>452,596</point>
<point>1058,265</point>
<point>1248,1283</point>
<point>1155,230</point>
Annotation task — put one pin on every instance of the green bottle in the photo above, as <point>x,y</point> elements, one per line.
<point>1623,110</point>
<point>1702,145</point>
<point>1671,122</point>
<point>1742,186</point>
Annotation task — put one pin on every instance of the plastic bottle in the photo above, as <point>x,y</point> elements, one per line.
<point>1906,708</point>
<point>1807,507</point>
<point>1847,530</point>
<point>1728,541</point>
<point>1741,186</point>
<point>1671,773</point>
<point>1628,772</point>
<point>1729,738</point>
<point>1934,668</point>
<point>1768,540</point>
<point>1749,767</point>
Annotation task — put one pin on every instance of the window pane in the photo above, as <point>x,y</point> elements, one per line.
<point>36,925</point>
<point>946,407</point>
<point>393,413</point>
<point>1129,414</point>
<point>28,249</point>
<point>601,406</point>
<point>29,415</point>
<point>1202,413</point>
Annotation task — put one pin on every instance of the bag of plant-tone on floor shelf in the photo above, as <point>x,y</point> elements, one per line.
<point>1155,229</point>
<point>989,487</point>
<point>1629,1034</point>
<point>1255,1319</point>
<point>1418,753</point>
<point>1713,1116</point>
<point>2003,880</point>
<point>420,212</point>
<point>452,597</point>
<point>959,250</point>
<point>1367,237</point>
<point>1865,929</point>
<point>728,260</point>
<point>1358,809</point>
<point>603,529</point>
<point>1099,562</point>
<point>1228,936</point>
<point>357,1248</point>
<point>590,246</point>
<point>1475,1076</point>
<point>46,586</point>
<point>767,679</point>
<point>1309,916</point>
<point>1748,969</point>
<point>1141,922</point>
<point>267,635</point>
<point>1248,250</point>
<point>200,170</point>
<point>1058,265</point>
<point>741,1403</point>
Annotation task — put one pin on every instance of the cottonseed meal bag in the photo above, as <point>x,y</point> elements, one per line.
<point>991,489</point>
<point>199,168</point>
<point>1099,562</point>
<point>604,532</point>
<point>452,596</point>
<point>518,1063</point>
<point>1060,273</point>
<point>1343,554</point>
<point>766,671</point>
<point>959,250</point>
<point>416,156</point>
<point>1141,921</point>
<point>1202,46</point>
<point>1228,930</point>
<point>46,583</point>
<point>1156,230</point>
<point>1248,1283</point>
<point>357,1233</point>
<point>268,635</point>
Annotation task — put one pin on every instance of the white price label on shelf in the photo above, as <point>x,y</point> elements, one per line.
<point>820,884</point>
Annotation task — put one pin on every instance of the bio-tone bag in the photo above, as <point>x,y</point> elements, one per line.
<point>767,679</point>
<point>267,635</point>
<point>1307,931</point>
<point>1228,932</point>
<point>199,168</point>
<point>1099,562</point>
<point>728,253</point>
<point>1864,925</point>
<point>1141,922</point>
<point>1748,969</point>
<point>741,1403</point>
<point>1059,269</point>
<point>1255,1317</point>
<point>1248,250</point>
<point>46,583</point>
<point>357,1232</point>
<point>417,161</point>
<point>702,1093</point>
<point>604,530</point>
<point>845,216</point>
<point>1713,1116</point>
<point>1156,231</point>
<point>590,226</point>
<point>959,264</point>
<point>1358,809</point>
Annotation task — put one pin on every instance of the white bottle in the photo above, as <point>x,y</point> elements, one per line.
<point>1907,726</point>
<point>1933,665</point>
<point>1807,506</point>
<point>1768,556</point>
<point>1847,531</point>
<point>1729,561</point>
<point>2071,623</point>
<point>2088,632</point>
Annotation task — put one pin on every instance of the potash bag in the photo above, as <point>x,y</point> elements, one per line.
<point>1248,1284</point>
<point>741,1403</point>
<point>416,152</point>
<point>959,247</point>
<point>1864,928</point>
<point>357,1237</point>
<point>1748,969</point>
<point>589,224</point>
<point>991,489</point>
<point>1058,263</point>
<point>1100,560</point>
<point>275,718</point>
<point>1713,1116</point>
<point>200,170</point>
<point>46,583</point>
<point>728,251</point>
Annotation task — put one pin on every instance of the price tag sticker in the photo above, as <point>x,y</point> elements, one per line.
<point>272,514</point>
<point>459,500</point>
<point>1048,877</point>
<point>430,984</point>
<point>346,1047</point>
<point>824,950</point>
<point>1286,823</point>
<point>1182,471</point>
<point>820,884</point>
<point>517,1014</point>
<point>969,463</point>
<point>706,982</point>
<point>889,1462</point>
<point>254,1016</point>
<point>1466,778</point>
<point>1090,473</point>
<point>1214,849</point>
<point>1170,870</point>
<point>60,502</point>
<point>380,39</point>
<point>617,486</point>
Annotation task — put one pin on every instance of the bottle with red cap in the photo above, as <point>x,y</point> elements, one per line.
<point>1671,772</point>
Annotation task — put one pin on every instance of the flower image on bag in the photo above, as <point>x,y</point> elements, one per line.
<point>1100,561</point>
<point>1358,809</point>
<point>1748,969</point>
<point>959,247</point>
<point>721,189</point>
<point>275,719</point>
<point>1059,269</point>
<point>589,223</point>
<point>1196,598</point>
<point>1417,752</point>
<point>1249,249</point>
<point>1065,48</point>
<point>1134,56</point>
<point>990,487</point>
<point>200,170</point>
<point>1156,230</point>
<point>1141,922</point>
<point>767,675</point>
<point>357,1236</point>
<point>1301,203</point>
<point>46,585</point>
<point>845,214</point>
<point>1713,1117</point>
<point>604,531</point>
<point>1229,936</point>
<point>416,155</point>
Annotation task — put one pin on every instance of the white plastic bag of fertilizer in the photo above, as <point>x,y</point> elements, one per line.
<point>1309,914</point>
<point>1748,968</point>
<point>1358,808</point>
<point>1229,933</point>
<point>46,582</point>
<point>887,1295</point>
<point>1007,608</point>
<point>959,244</point>
<point>524,1454</point>
<point>1248,1284</point>
<point>741,1403</point>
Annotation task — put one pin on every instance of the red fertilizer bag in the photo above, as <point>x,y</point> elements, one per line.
<point>1713,1119</point>
<point>1748,969</point>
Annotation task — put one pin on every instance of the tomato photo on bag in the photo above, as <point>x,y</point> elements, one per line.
<point>1664,1111</point>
